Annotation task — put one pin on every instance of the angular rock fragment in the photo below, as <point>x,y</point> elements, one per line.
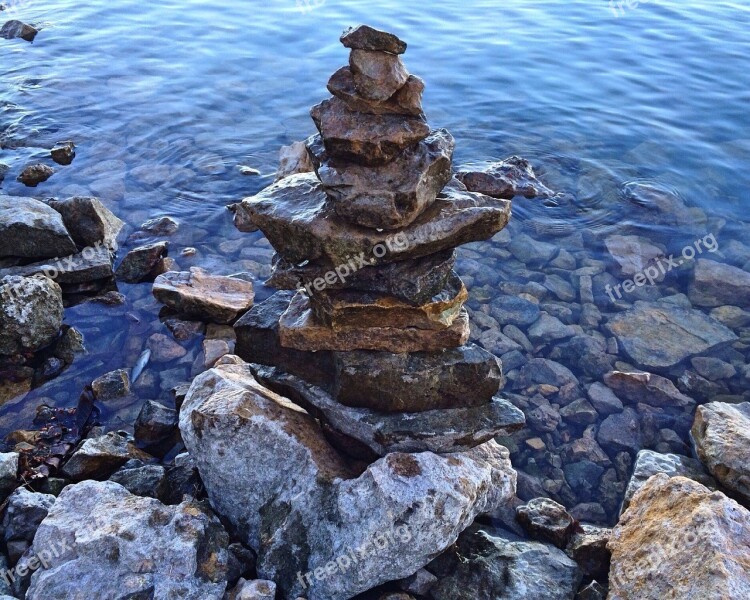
<point>93,263</point>
<point>111,386</point>
<point>364,37</point>
<point>377,75</point>
<point>140,263</point>
<point>717,284</point>
<point>31,229</point>
<point>364,138</point>
<point>98,458</point>
<point>293,159</point>
<point>196,293</point>
<point>297,219</point>
<point>18,29</point>
<point>31,314</point>
<point>63,153</point>
<point>406,101</point>
<point>23,514</point>
<point>413,382</point>
<point>301,330</point>
<point>89,221</point>
<point>546,520</point>
<point>647,388</point>
<point>507,179</point>
<point>33,175</point>
<point>391,196</point>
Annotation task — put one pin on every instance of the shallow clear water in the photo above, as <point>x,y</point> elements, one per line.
<point>164,100</point>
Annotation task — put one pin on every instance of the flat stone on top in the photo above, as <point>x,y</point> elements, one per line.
<point>364,37</point>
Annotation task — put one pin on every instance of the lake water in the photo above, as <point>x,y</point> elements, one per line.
<point>165,99</point>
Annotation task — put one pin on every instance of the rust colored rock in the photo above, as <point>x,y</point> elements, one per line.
<point>406,101</point>
<point>364,37</point>
<point>507,178</point>
<point>377,75</point>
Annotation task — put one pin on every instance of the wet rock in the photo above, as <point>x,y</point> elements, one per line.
<point>294,159</point>
<point>514,310</point>
<point>647,388</point>
<point>406,101</point>
<point>487,564</point>
<point>732,316</point>
<point>548,329</point>
<point>31,229</point>
<point>295,216</point>
<point>439,431</point>
<point>543,417</point>
<point>507,178</point>
<point>196,293</point>
<point>258,342</point>
<point>634,254</point>
<point>678,539</point>
<point>140,263</point>
<point>588,547</point>
<point>391,196</point>
<point>364,37</point>
<point>88,221</point>
<point>18,29</point>
<point>93,264</point>
<point>246,441</point>
<point>580,412</point>
<point>23,514</point>
<point>455,378</point>
<point>160,226</point>
<point>718,284</point>
<point>3,171</point>
<point>539,371</point>
<point>713,369</point>
<point>113,536</point>
<point>656,335</point>
<point>31,314</point>
<point>155,423</point>
<point>365,139</point>
<point>653,205</point>
<point>98,458</point>
<point>33,175</point>
<point>532,252</point>
<point>63,153</point>
<point>345,309</point>
<point>142,480</point>
<point>649,463</point>
<point>164,349</point>
<point>721,437</point>
<point>548,521</point>
<point>377,75</point>
<point>8,473</point>
<point>111,386</point>
<point>604,400</point>
<point>621,432</point>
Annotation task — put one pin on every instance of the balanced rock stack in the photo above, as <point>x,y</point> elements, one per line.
<point>373,326</point>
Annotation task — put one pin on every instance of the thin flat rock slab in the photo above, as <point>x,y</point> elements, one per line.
<point>507,178</point>
<point>364,37</point>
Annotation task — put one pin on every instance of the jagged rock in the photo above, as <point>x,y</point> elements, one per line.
<point>507,178</point>
<point>647,388</point>
<point>680,540</point>
<point>354,309</point>
<point>8,473</point>
<point>18,29</point>
<point>657,335</point>
<point>33,175</point>
<point>604,400</point>
<point>23,514</point>
<point>580,412</point>
<point>391,196</point>
<point>258,342</point>
<point>160,226</point>
<point>31,314</point>
<point>31,229</point>
<point>377,75</point>
<point>406,101</point>
<point>140,263</point>
<point>649,463</point>
<point>415,281</point>
<point>155,423</point>
<point>490,564</point>
<point>111,386</point>
<point>98,458</point>
<point>717,284</point>
<point>142,480</point>
<point>293,159</point>
<point>439,431</point>
<point>248,442</point>
<point>721,437</point>
<point>88,221</point>
<point>364,37</point>
<point>63,153</point>
<point>364,138</point>
<point>459,377</point>
<point>301,330</point>
<point>621,432</point>
<point>120,546</point>
<point>94,263</point>
<point>588,547</point>
<point>419,583</point>
<point>197,293</point>
<point>548,521</point>
<point>296,218</point>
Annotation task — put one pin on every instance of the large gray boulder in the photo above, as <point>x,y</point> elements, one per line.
<point>101,540</point>
<point>31,313</point>
<point>31,229</point>
<point>321,527</point>
<point>89,221</point>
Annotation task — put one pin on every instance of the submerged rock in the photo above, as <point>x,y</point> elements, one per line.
<point>634,254</point>
<point>18,29</point>
<point>63,153</point>
<point>507,179</point>
<point>458,377</point>
<point>31,229</point>
<point>33,175</point>
<point>721,436</point>
<point>140,264</point>
<point>657,335</point>
<point>647,388</point>
<point>680,540</point>
<point>196,293</point>
<point>717,284</point>
<point>113,544</point>
<point>31,314</point>
<point>248,442</point>
<point>89,221</point>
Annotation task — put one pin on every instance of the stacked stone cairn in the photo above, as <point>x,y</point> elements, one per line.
<point>369,333</point>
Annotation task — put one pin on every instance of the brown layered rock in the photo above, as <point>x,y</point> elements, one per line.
<point>364,37</point>
<point>377,75</point>
<point>299,329</point>
<point>297,219</point>
<point>390,196</point>
<point>365,138</point>
<point>344,309</point>
<point>406,101</point>
<point>507,178</point>
<point>413,382</point>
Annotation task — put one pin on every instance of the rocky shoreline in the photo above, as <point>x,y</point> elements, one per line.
<point>536,414</point>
